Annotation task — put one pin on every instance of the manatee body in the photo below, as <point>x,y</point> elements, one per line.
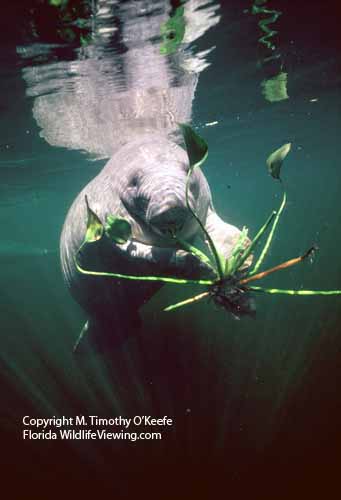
<point>144,182</point>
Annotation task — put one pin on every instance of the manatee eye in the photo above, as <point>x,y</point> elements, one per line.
<point>134,181</point>
<point>194,188</point>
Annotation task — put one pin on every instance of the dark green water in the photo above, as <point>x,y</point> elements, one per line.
<point>255,403</point>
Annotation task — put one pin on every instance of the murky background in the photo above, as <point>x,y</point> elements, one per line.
<point>250,399</point>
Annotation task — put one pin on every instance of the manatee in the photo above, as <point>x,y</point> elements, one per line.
<point>122,98</point>
<point>144,182</point>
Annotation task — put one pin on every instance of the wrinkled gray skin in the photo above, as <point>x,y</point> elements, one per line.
<point>125,105</point>
<point>145,183</point>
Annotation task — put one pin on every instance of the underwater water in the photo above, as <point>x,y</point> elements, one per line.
<point>255,403</point>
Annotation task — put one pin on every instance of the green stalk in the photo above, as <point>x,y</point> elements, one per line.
<point>218,261</point>
<point>294,292</point>
<point>239,262</point>
<point>238,248</point>
<point>197,152</point>
<point>187,301</point>
<point>195,251</point>
<point>162,279</point>
<point>270,237</point>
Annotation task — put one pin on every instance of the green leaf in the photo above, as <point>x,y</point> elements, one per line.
<point>275,160</point>
<point>275,88</point>
<point>173,32</point>
<point>94,227</point>
<point>197,149</point>
<point>195,251</point>
<point>117,229</point>
<point>85,40</point>
<point>238,249</point>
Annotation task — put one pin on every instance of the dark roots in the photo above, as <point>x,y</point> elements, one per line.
<point>233,297</point>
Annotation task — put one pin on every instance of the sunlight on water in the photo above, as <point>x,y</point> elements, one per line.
<point>120,83</point>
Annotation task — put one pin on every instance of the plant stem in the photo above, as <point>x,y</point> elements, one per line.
<point>248,250</point>
<point>270,237</point>
<point>202,227</point>
<point>284,265</point>
<point>195,251</point>
<point>163,279</point>
<point>187,301</point>
<point>294,292</point>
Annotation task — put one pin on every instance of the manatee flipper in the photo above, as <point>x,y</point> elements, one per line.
<point>166,261</point>
<point>224,235</point>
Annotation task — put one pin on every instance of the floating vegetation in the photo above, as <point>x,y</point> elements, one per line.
<point>275,89</point>
<point>258,8</point>
<point>275,160</point>
<point>173,32</point>
<point>230,289</point>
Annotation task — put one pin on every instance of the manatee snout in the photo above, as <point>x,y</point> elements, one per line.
<point>169,219</point>
<point>159,201</point>
<point>167,211</point>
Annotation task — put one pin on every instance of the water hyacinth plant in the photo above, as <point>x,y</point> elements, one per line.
<point>230,288</point>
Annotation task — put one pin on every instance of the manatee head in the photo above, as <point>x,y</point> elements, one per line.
<point>154,194</point>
